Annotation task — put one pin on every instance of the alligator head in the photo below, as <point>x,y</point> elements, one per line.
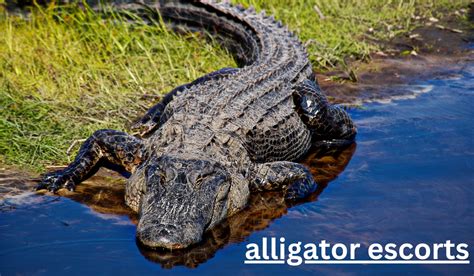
<point>183,198</point>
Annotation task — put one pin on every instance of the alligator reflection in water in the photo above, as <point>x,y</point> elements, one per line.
<point>104,193</point>
<point>409,181</point>
<point>107,197</point>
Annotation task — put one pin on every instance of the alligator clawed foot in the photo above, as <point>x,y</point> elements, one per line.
<point>55,181</point>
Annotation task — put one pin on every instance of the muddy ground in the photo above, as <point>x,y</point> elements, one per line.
<point>427,51</point>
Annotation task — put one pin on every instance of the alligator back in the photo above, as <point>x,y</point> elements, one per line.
<point>254,105</point>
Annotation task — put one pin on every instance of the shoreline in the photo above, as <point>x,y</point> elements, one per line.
<point>426,52</point>
<point>436,46</point>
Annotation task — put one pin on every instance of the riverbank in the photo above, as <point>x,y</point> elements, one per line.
<point>66,72</point>
<point>431,49</point>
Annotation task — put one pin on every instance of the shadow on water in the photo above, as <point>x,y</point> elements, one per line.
<point>262,210</point>
<point>410,181</point>
<point>105,194</point>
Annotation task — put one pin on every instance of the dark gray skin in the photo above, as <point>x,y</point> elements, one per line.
<point>207,146</point>
<point>148,123</point>
<point>197,193</point>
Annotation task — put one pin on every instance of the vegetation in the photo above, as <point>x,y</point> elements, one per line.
<point>338,30</point>
<point>65,72</point>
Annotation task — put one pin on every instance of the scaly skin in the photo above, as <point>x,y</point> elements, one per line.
<point>213,142</point>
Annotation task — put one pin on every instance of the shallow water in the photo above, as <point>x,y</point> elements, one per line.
<point>409,180</point>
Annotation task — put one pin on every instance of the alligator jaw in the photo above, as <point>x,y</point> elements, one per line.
<point>166,236</point>
<point>183,197</point>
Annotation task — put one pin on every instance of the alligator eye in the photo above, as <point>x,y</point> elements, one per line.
<point>162,178</point>
<point>150,171</point>
<point>198,181</point>
<point>170,175</point>
<point>154,176</point>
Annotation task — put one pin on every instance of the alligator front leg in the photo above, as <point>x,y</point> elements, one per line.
<point>293,178</point>
<point>330,125</point>
<point>104,146</point>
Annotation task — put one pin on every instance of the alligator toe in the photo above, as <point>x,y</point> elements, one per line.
<point>55,181</point>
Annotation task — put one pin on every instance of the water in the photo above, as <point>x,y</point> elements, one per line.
<point>409,180</point>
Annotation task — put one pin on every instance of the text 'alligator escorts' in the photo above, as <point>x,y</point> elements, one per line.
<point>210,143</point>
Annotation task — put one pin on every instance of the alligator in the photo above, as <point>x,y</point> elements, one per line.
<point>210,143</point>
<point>262,210</point>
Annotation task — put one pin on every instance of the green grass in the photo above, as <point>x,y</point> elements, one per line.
<point>64,75</point>
<point>65,72</point>
<point>351,29</point>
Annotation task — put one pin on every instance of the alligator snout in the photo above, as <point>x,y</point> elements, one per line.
<point>168,236</point>
<point>183,198</point>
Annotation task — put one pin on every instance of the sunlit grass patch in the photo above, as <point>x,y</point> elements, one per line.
<point>66,71</point>
<point>338,30</point>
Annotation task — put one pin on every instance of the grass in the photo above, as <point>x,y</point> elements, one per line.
<point>66,72</point>
<point>339,30</point>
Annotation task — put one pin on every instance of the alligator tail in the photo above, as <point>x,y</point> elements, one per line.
<point>250,37</point>
<point>227,24</point>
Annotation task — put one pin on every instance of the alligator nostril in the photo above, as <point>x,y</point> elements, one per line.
<point>163,232</point>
